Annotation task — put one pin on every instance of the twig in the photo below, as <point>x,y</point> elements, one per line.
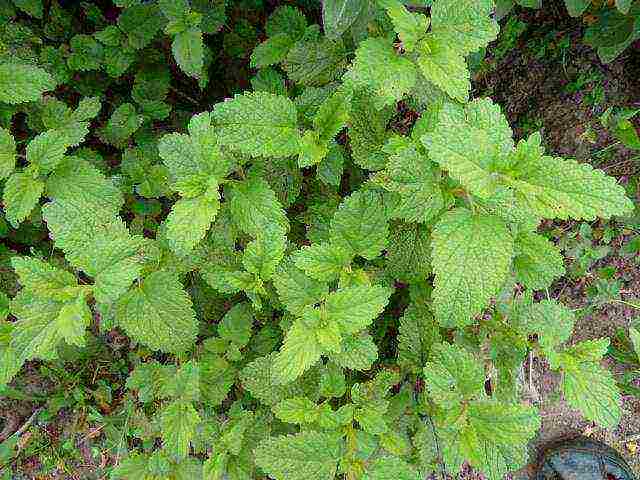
<point>28,423</point>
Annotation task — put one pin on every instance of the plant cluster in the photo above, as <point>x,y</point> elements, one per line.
<point>330,275</point>
<point>613,25</point>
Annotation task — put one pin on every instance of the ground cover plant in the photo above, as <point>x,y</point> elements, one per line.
<point>285,241</point>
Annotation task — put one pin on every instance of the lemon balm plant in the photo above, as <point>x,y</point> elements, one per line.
<point>324,291</point>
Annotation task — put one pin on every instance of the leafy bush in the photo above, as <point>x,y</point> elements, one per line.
<point>329,275</point>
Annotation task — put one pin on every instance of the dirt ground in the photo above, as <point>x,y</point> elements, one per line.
<point>532,90</point>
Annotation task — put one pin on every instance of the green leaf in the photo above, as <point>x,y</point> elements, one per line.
<point>624,5</point>
<point>236,324</point>
<point>299,352</point>
<point>409,252</point>
<point>411,27</point>
<point>315,63</point>
<point>552,322</point>
<point>358,352</point>
<point>272,51</point>
<point>47,150</point>
<point>561,188</point>
<point>297,410</point>
<point>411,175</point>
<point>445,67</point>
<point>417,334</point>
<point>306,456</point>
<point>577,7</point>
<point>21,194</point>
<point>368,131</point>
<point>188,50</point>
<point>255,207</point>
<point>123,123</point>
<point>23,83</point>
<point>159,314</point>
<point>141,23</point>
<point>537,262</point>
<point>381,69</point>
<point>34,8</point>
<point>86,53</point>
<point>179,421</point>
<point>391,468</point>
<point>286,19</point>
<point>263,255</point>
<point>465,278</point>
<point>453,375</point>
<point>473,147</point>
<point>354,308</point>
<point>339,15</point>
<point>44,322</point>
<point>189,221</point>
<point>634,336</point>
<point>41,278</point>
<point>360,225</point>
<point>323,261</point>
<point>501,433</point>
<point>593,391</point>
<point>258,123</point>
<point>295,289</point>
<point>465,24</point>
<point>7,153</point>
<point>151,380</point>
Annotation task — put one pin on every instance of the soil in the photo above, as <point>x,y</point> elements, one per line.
<point>530,86</point>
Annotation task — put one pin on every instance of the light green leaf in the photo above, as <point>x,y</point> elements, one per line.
<point>445,67</point>
<point>465,24</point>
<point>23,83</point>
<point>179,421</point>
<point>306,456</point>
<point>258,123</point>
<point>537,262</point>
<point>262,255</point>
<point>552,322</point>
<point>472,255</point>
<point>271,51</point>
<point>255,207</point>
<point>47,150</point>
<point>624,5</point>
<point>472,147</point>
<point>295,289</point>
<point>577,7</point>
<point>634,335</point>
<point>562,188</point>
<point>359,352</point>
<point>189,220</point>
<point>21,194</point>
<point>7,153</point>
<point>44,322</point>
<point>354,308</point>
<point>298,353</point>
<point>453,375</point>
<point>593,391</point>
<point>381,69</point>
<point>339,15</point>
<point>296,410</point>
<point>391,468</point>
<point>360,225</point>
<point>323,261</point>
<point>159,314</point>
<point>410,174</point>
<point>123,123</point>
<point>411,27</point>
<point>188,50</point>
<point>43,279</point>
